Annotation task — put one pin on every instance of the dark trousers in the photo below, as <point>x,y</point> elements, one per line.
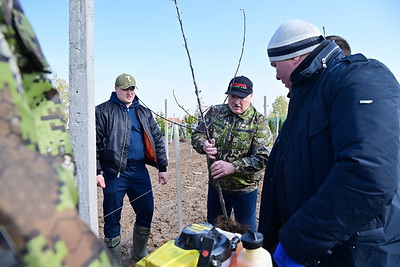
<point>135,182</point>
<point>244,206</point>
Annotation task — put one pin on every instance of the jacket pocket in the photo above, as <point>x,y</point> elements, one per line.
<point>372,232</point>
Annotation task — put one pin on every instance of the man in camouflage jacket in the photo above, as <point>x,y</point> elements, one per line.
<point>235,137</point>
<point>39,221</point>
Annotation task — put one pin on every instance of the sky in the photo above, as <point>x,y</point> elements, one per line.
<point>144,39</point>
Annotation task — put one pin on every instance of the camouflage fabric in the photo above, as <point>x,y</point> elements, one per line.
<point>39,221</point>
<point>243,140</point>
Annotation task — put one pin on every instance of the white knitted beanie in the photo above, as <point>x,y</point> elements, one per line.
<point>293,38</point>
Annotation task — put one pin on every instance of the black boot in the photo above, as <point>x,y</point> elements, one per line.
<point>140,237</point>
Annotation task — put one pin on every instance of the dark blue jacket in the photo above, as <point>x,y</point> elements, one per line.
<point>113,133</point>
<point>331,188</point>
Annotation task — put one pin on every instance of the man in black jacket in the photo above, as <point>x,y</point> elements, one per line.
<point>331,191</point>
<point>127,138</point>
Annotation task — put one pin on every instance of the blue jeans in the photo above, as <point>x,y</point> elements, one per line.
<point>135,182</point>
<point>244,207</point>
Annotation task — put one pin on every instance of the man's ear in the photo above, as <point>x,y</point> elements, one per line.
<point>296,60</point>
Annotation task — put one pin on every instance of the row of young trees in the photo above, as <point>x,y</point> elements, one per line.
<point>276,116</point>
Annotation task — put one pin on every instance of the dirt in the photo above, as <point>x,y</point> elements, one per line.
<point>193,175</point>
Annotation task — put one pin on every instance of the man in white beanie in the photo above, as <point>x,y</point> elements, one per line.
<point>331,188</point>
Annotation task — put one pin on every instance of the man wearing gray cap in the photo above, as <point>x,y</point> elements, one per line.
<point>331,188</point>
<point>127,138</point>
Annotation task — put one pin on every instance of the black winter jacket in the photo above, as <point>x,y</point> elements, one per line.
<point>113,128</point>
<point>331,189</point>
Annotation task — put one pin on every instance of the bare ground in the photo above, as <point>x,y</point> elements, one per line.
<point>193,173</point>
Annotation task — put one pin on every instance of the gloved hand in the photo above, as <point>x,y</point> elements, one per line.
<point>282,259</point>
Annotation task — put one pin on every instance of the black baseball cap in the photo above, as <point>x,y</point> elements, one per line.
<point>240,86</point>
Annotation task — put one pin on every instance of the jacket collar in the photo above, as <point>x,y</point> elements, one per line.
<point>316,61</point>
<point>114,98</point>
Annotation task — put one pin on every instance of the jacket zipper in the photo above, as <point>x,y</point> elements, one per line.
<point>123,145</point>
<point>325,58</point>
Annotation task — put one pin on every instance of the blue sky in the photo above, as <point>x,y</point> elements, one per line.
<point>143,38</point>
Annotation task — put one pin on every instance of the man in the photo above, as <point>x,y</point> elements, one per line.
<point>341,42</point>
<point>127,138</point>
<point>236,149</point>
<point>39,219</point>
<point>331,189</point>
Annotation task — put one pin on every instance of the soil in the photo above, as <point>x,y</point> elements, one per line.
<point>193,174</point>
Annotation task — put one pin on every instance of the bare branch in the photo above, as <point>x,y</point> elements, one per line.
<point>191,69</point>
<point>176,101</point>
<point>166,119</point>
<point>242,51</point>
<point>244,41</point>
<point>221,198</point>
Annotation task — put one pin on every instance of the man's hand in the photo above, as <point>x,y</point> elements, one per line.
<point>100,181</point>
<point>162,178</point>
<point>209,148</point>
<point>221,168</point>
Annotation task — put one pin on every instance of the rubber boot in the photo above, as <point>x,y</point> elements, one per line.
<point>114,246</point>
<point>140,237</point>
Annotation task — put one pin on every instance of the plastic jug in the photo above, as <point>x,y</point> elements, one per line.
<point>253,254</point>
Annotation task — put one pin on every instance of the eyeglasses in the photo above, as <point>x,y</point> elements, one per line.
<point>131,88</point>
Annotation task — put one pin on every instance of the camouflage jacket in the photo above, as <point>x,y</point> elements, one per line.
<point>241,139</point>
<point>39,222</point>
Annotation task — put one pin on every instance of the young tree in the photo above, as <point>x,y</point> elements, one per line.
<point>63,89</point>
<point>190,121</point>
<point>280,106</point>
<point>278,114</point>
<point>160,121</point>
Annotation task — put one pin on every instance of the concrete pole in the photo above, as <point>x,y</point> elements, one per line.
<point>166,129</point>
<point>178,176</point>
<point>265,106</point>
<point>277,124</point>
<point>172,129</point>
<point>82,117</point>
